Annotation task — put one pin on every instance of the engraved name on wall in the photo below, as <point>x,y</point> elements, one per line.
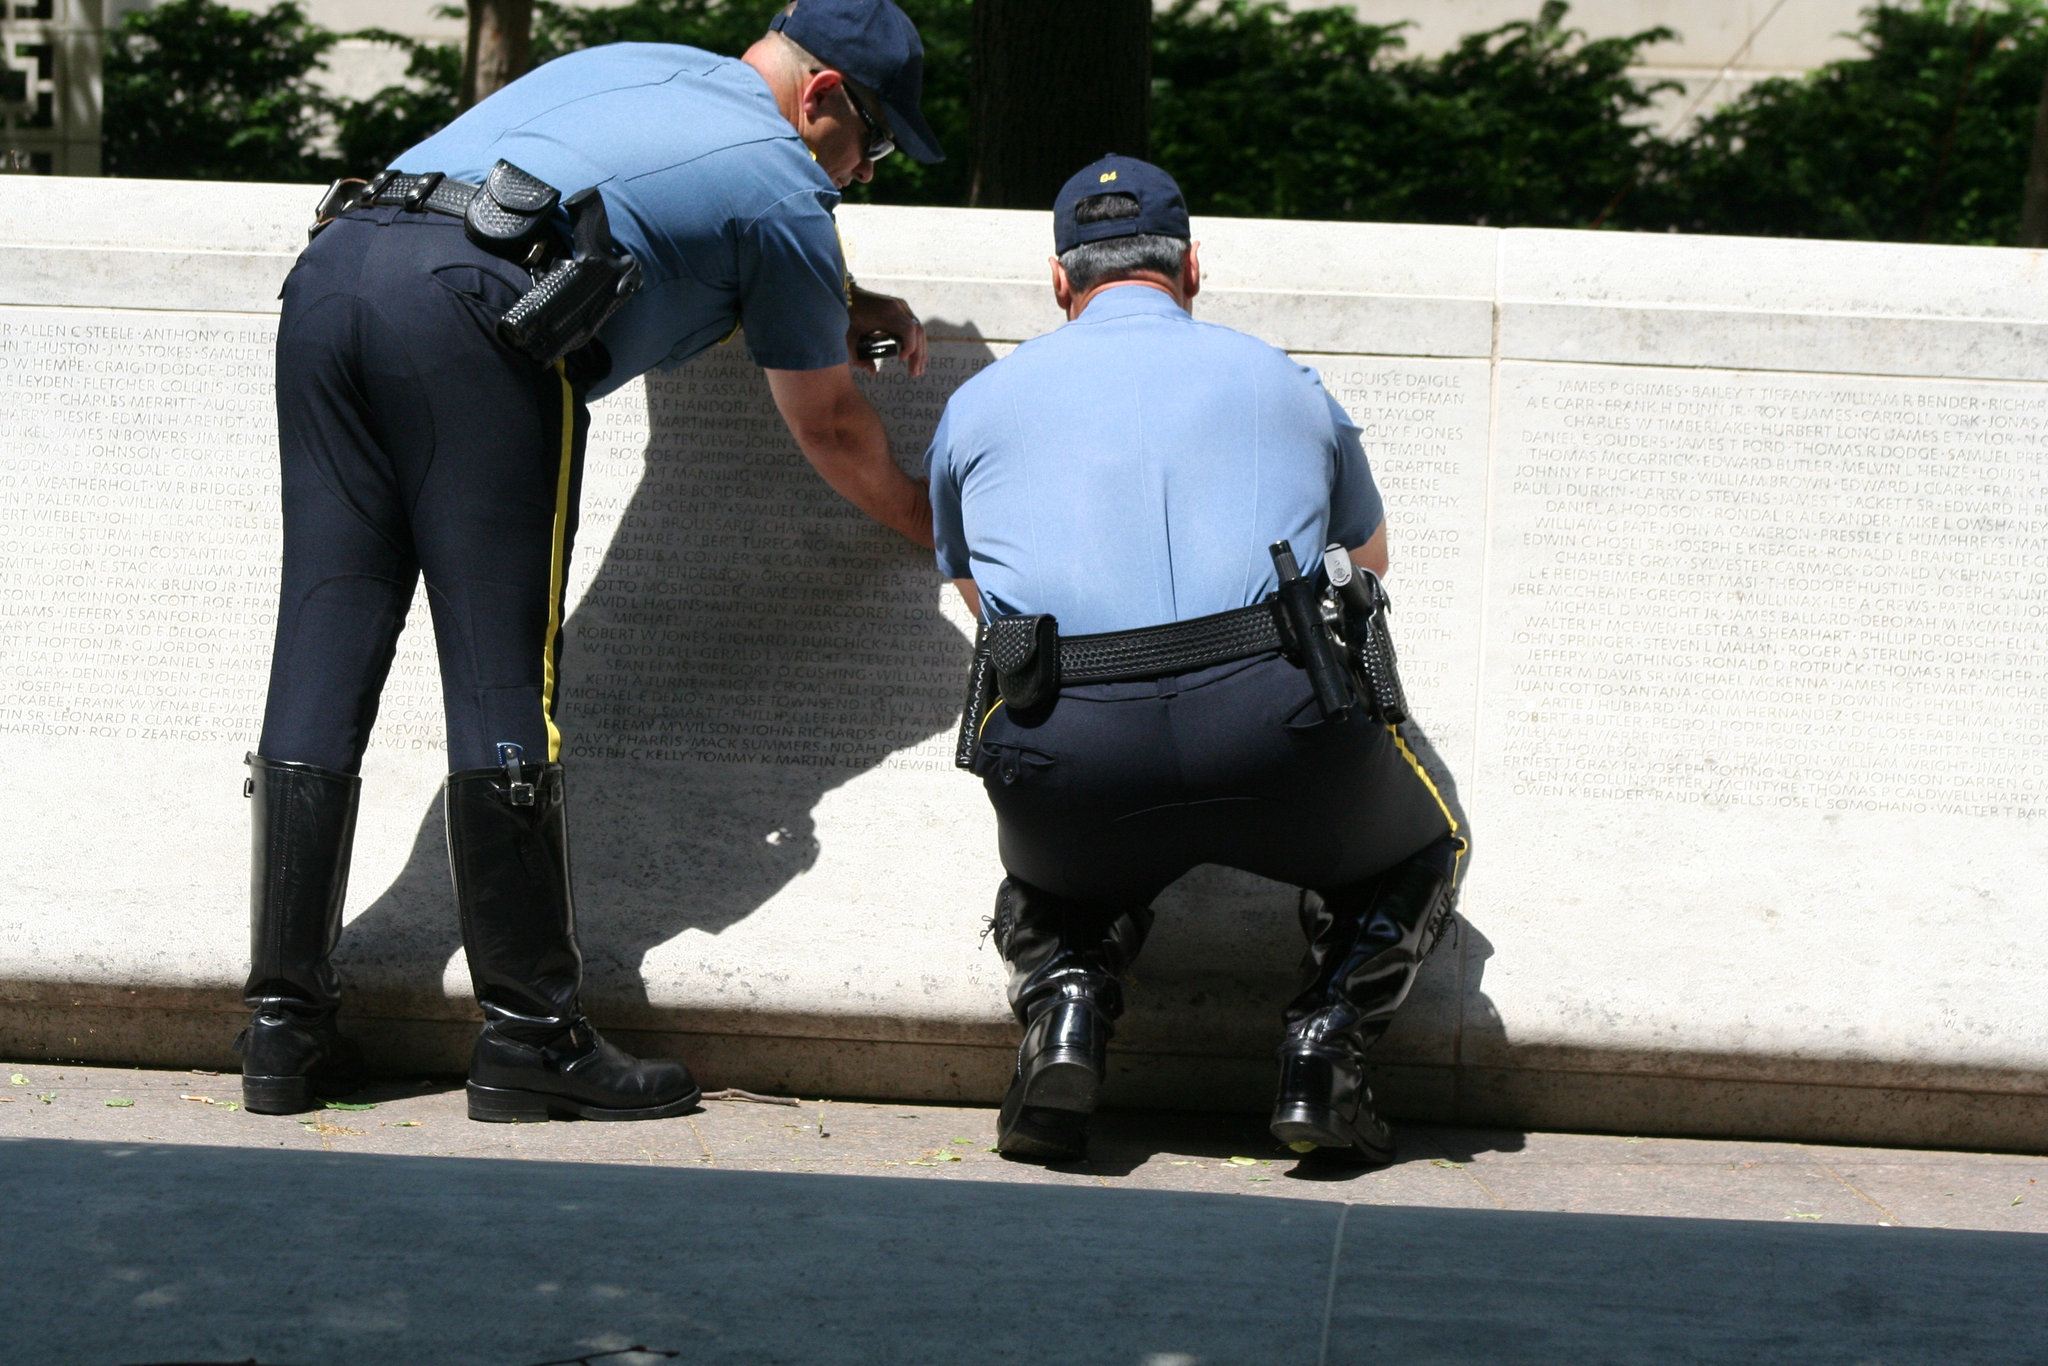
<point>1802,592</point>
<point>138,566</point>
<point>1423,426</point>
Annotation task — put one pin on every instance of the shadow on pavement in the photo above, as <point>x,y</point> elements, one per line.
<point>149,1253</point>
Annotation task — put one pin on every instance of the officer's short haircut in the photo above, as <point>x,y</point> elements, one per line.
<point>1092,263</point>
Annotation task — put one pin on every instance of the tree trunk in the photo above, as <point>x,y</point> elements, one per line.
<point>1057,83</point>
<point>2034,208</point>
<point>500,45</point>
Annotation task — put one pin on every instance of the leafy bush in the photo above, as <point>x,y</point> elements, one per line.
<point>1260,111</point>
<point>196,90</point>
<point>369,134</point>
<point>1924,138</point>
<point>1314,114</point>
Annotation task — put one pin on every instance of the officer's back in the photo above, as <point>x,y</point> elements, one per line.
<point>1133,467</point>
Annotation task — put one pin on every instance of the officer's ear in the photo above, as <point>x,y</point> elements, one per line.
<point>1062,287</point>
<point>817,92</point>
<point>1191,271</point>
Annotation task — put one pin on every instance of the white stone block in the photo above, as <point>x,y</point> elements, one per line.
<point>1721,582</point>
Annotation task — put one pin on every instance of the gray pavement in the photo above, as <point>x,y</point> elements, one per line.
<point>146,1219</point>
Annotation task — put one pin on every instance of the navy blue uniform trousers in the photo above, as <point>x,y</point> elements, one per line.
<point>1120,788</point>
<point>414,443</point>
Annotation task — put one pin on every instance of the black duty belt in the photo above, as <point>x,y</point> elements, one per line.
<point>1176,648</point>
<point>429,193</point>
<point>1332,625</point>
<point>513,215</point>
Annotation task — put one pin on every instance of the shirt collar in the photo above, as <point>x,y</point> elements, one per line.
<point>1124,301</point>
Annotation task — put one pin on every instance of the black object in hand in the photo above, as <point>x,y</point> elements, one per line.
<point>877,346</point>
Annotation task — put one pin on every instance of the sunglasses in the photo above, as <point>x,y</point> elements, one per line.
<point>880,142</point>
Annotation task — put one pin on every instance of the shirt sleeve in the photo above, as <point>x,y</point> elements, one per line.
<point>793,286</point>
<point>949,533</point>
<point>1356,510</point>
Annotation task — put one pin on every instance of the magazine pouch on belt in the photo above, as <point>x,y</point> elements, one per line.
<point>571,299</point>
<point>1024,651</point>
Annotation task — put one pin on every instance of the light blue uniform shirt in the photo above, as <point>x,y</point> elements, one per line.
<point>705,183</point>
<point>1131,469</point>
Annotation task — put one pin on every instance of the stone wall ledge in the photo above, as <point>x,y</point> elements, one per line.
<point>1721,571</point>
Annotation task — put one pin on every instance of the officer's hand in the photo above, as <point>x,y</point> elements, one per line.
<point>871,312</point>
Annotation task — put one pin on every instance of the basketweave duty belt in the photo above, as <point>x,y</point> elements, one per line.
<point>1175,648</point>
<point>429,193</point>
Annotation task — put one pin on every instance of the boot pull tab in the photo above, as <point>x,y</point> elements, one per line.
<point>519,792</point>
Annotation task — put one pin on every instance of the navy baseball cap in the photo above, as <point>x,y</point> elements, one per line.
<point>876,44</point>
<point>1161,209</point>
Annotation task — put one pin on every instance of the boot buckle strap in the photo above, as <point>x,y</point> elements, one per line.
<point>517,790</point>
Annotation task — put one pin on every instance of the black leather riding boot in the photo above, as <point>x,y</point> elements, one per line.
<point>508,848</point>
<point>303,822</point>
<point>1066,961</point>
<point>1366,943</point>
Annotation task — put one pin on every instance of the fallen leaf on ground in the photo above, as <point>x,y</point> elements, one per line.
<point>203,1100</point>
<point>118,1103</point>
<point>1258,1178</point>
<point>202,1072</point>
<point>1304,1146</point>
<point>2018,1198</point>
<point>963,1140</point>
<point>18,1079</point>
<point>350,1105</point>
<point>1244,1162</point>
<point>46,1096</point>
<point>405,1124</point>
<point>1799,1214</point>
<point>1446,1163</point>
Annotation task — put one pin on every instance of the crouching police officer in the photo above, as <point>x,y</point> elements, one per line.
<point>1160,686</point>
<point>617,210</point>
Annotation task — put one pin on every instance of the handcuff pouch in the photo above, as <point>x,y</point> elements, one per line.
<point>1024,652</point>
<point>512,214</point>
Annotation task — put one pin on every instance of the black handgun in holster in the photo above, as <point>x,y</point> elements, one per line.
<point>571,299</point>
<point>1368,645</point>
<point>1305,634</point>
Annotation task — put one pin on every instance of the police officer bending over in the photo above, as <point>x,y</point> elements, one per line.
<point>618,210</point>
<point>1161,687</point>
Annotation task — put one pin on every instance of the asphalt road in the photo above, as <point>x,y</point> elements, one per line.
<point>144,1218</point>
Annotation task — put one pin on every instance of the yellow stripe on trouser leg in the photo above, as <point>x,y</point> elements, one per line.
<point>1406,753</point>
<point>557,565</point>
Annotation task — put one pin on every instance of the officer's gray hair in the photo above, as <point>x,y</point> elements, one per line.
<point>1114,258</point>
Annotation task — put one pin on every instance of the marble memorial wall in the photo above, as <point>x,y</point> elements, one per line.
<point>1701,651</point>
<point>1794,592</point>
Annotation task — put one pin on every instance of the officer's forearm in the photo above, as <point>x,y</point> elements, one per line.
<point>841,435</point>
<point>1373,554</point>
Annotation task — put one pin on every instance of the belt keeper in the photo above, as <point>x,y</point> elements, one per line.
<point>416,200</point>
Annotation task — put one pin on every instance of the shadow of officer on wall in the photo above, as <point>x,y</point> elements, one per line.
<point>1123,500</point>
<point>748,643</point>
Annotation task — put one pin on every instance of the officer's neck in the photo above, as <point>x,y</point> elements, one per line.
<point>785,78</point>
<point>1165,284</point>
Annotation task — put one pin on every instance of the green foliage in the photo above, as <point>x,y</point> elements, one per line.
<point>1314,114</point>
<point>1924,138</point>
<point>1259,110</point>
<point>369,134</point>
<point>195,90</point>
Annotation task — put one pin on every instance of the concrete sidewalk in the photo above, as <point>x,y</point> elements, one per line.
<point>149,1221</point>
